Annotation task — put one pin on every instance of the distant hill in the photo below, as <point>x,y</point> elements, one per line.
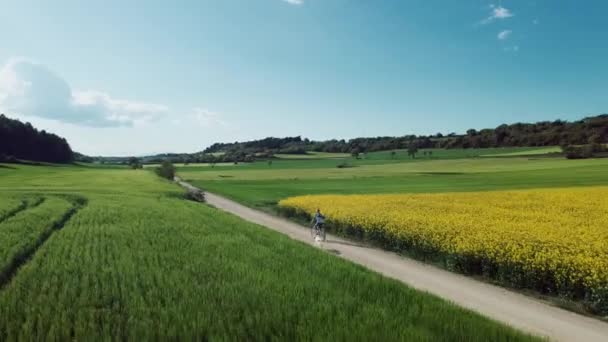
<point>590,130</point>
<point>288,145</point>
<point>22,141</point>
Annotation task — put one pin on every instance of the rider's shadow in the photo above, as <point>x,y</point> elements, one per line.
<point>346,243</point>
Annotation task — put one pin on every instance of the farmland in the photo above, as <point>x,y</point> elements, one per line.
<point>119,254</point>
<point>313,155</point>
<point>553,241</point>
<point>464,183</point>
<point>263,186</point>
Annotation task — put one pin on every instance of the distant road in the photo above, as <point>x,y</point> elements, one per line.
<point>500,304</point>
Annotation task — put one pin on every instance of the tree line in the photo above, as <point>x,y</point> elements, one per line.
<point>287,145</point>
<point>579,139</point>
<point>20,140</point>
<point>590,130</point>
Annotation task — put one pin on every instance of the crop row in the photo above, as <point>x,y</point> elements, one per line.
<point>22,233</point>
<point>160,268</point>
<point>554,241</point>
<point>11,205</point>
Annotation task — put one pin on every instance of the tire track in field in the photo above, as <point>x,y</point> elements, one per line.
<point>26,255</point>
<point>21,207</point>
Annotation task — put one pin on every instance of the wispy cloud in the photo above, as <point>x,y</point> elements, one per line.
<point>31,89</point>
<point>514,48</point>
<point>208,119</point>
<point>502,35</point>
<point>497,13</point>
<point>295,2</point>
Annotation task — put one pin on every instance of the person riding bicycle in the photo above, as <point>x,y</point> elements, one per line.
<point>319,220</point>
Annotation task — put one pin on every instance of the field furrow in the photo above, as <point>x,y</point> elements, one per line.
<point>22,234</point>
<point>10,206</point>
<point>162,268</point>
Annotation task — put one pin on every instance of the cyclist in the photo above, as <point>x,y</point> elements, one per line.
<point>318,220</point>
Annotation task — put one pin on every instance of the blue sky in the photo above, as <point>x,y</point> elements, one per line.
<point>115,76</point>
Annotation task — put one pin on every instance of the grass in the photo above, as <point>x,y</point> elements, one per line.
<point>459,153</point>
<point>449,172</point>
<point>532,152</point>
<point>313,155</point>
<point>20,234</point>
<point>450,166</point>
<point>373,158</point>
<point>138,262</point>
<point>261,190</point>
<point>192,165</point>
<point>9,206</point>
<point>380,164</point>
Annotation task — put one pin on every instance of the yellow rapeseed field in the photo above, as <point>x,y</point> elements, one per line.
<point>562,232</point>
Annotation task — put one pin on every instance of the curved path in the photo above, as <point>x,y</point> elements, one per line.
<point>503,305</point>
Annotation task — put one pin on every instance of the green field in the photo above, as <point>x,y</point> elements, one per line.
<point>262,186</point>
<point>459,153</point>
<point>195,165</point>
<point>374,158</point>
<point>312,155</point>
<point>99,254</point>
<point>9,206</point>
<point>533,152</point>
<point>443,171</point>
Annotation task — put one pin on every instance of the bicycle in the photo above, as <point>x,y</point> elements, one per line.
<point>318,229</point>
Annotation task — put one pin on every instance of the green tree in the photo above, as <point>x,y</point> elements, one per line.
<point>166,170</point>
<point>412,149</point>
<point>134,163</point>
<point>595,139</point>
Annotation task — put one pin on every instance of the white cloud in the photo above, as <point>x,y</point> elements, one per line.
<point>502,35</point>
<point>501,13</point>
<point>295,2</point>
<point>119,110</point>
<point>207,118</point>
<point>31,89</point>
<point>498,12</point>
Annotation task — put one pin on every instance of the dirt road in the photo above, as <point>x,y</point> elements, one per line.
<point>506,306</point>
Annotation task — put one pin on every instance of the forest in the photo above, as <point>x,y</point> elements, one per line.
<point>21,141</point>
<point>578,138</point>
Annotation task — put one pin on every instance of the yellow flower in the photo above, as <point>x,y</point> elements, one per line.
<point>562,231</point>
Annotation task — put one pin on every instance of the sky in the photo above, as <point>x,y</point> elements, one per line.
<point>141,77</point>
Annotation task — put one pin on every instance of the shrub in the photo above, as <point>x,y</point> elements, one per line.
<point>134,163</point>
<point>195,195</point>
<point>166,170</point>
<point>578,152</point>
<point>343,165</point>
<point>8,159</point>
